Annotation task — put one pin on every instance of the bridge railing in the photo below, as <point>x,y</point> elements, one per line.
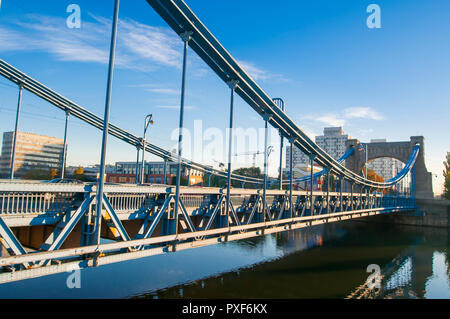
<point>34,202</point>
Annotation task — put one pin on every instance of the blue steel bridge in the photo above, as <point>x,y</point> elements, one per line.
<point>52,228</point>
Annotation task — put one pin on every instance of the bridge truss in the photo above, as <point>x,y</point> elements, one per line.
<point>148,220</point>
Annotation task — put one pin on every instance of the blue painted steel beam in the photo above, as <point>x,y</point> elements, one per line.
<point>11,240</point>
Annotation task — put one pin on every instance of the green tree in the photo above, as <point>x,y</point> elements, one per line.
<point>249,172</point>
<point>38,174</point>
<point>219,181</point>
<point>446,173</point>
<point>183,180</point>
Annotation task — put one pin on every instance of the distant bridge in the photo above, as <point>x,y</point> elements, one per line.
<point>50,228</point>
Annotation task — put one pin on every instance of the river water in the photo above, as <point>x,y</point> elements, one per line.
<point>326,261</point>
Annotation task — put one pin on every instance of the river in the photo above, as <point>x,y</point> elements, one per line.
<point>326,261</point>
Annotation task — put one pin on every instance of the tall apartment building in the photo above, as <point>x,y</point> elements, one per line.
<point>32,152</point>
<point>332,141</point>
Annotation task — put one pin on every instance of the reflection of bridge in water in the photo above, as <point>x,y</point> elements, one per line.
<point>407,275</point>
<point>328,261</point>
<point>49,228</point>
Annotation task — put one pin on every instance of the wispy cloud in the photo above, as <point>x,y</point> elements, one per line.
<point>331,120</point>
<point>157,88</point>
<point>176,107</point>
<point>343,117</point>
<point>258,73</point>
<point>139,46</point>
<point>164,91</point>
<point>362,113</point>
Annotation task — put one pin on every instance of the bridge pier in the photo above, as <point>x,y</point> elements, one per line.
<point>421,178</point>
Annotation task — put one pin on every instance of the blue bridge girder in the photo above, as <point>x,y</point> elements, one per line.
<point>64,207</point>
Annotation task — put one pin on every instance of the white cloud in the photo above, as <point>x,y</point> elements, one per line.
<point>343,117</point>
<point>259,74</point>
<point>164,91</point>
<point>139,46</point>
<point>176,107</point>
<point>362,112</point>
<point>255,72</point>
<point>331,120</point>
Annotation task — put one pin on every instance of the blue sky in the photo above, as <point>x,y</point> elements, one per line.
<point>319,56</point>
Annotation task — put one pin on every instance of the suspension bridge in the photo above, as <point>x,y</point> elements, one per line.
<point>52,228</point>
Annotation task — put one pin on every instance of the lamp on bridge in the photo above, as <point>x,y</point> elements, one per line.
<point>147,122</point>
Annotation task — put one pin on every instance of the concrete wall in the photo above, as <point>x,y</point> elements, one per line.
<point>430,213</point>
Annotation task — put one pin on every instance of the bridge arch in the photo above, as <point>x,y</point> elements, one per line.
<point>398,150</point>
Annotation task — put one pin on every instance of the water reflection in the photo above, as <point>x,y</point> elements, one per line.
<point>331,262</point>
<point>326,261</point>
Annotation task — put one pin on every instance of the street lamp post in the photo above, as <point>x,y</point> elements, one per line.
<point>147,122</point>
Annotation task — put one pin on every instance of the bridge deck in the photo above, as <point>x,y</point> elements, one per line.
<point>47,228</point>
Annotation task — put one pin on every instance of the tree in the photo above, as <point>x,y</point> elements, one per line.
<point>446,173</point>
<point>53,173</point>
<point>374,176</point>
<point>221,182</point>
<point>38,174</point>
<point>249,172</point>
<point>79,171</point>
<point>79,175</point>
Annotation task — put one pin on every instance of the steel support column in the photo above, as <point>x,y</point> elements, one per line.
<point>101,180</point>
<point>351,195</point>
<point>328,191</point>
<point>186,36</point>
<point>280,103</point>
<point>266,136</point>
<point>16,127</point>
<point>136,180</point>
<point>164,179</point>
<point>232,85</point>
<point>64,155</point>
<point>291,176</point>
<point>148,120</point>
<point>311,158</point>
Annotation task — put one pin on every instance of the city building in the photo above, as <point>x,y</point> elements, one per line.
<point>33,152</point>
<point>92,172</point>
<point>332,141</point>
<point>385,167</point>
<point>125,172</point>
